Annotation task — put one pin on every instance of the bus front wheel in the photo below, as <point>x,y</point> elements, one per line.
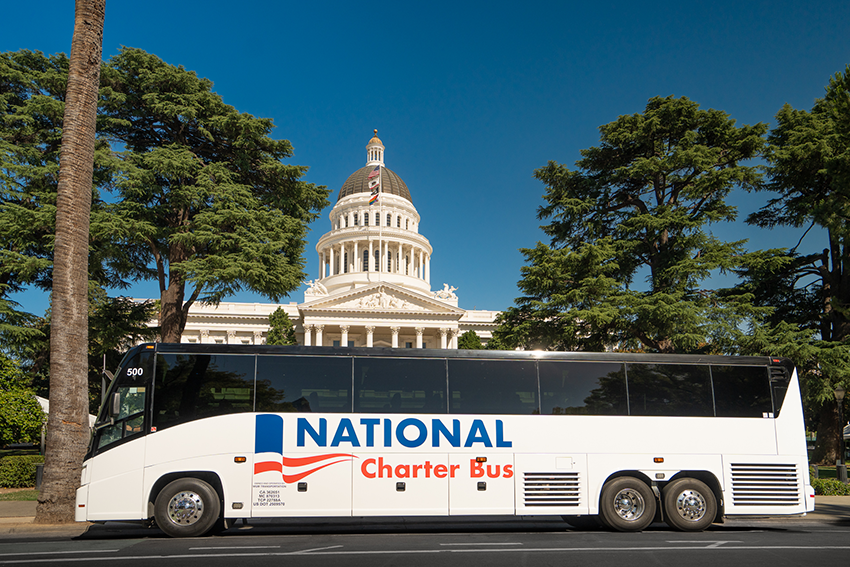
<point>627,504</point>
<point>689,505</point>
<point>187,507</point>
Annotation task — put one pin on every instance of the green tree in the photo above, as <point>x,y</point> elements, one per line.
<point>638,207</point>
<point>470,340</point>
<point>281,329</point>
<point>21,416</point>
<point>205,198</point>
<point>68,427</point>
<point>809,171</point>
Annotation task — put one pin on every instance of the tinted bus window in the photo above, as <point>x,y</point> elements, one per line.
<point>493,386</point>
<point>399,385</point>
<point>582,388</point>
<point>741,391</point>
<point>669,389</point>
<point>132,385</point>
<point>303,383</point>
<point>196,386</point>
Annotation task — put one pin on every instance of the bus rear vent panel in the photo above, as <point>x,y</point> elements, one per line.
<point>551,489</point>
<point>765,485</point>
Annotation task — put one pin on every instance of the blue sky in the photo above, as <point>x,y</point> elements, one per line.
<point>470,98</point>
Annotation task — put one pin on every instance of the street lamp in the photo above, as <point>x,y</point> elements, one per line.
<point>841,468</point>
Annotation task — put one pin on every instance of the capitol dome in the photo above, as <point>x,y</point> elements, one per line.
<point>391,183</point>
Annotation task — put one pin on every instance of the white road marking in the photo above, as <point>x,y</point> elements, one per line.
<point>494,543</point>
<point>236,547</point>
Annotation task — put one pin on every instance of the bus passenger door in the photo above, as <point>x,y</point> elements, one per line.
<point>297,483</point>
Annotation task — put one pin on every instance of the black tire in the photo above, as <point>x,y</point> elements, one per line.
<point>689,505</point>
<point>187,507</point>
<point>627,504</point>
<point>584,523</point>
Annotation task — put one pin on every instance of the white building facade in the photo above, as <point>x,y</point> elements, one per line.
<point>374,282</point>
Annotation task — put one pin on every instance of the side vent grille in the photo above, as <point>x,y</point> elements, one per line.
<point>765,485</point>
<point>551,489</point>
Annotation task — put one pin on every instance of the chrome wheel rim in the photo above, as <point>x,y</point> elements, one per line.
<point>690,505</point>
<point>185,508</point>
<point>629,504</point>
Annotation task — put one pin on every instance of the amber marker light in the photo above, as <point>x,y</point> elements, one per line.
<point>239,459</point>
<point>480,459</point>
<point>658,460</point>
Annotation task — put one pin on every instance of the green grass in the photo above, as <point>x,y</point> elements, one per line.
<point>19,495</point>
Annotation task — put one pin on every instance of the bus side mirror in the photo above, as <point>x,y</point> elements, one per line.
<point>115,405</point>
<point>109,375</point>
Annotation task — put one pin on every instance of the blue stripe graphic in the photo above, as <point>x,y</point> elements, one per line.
<point>268,434</point>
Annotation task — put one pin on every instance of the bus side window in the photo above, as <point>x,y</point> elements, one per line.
<point>493,387</point>
<point>303,384</point>
<point>399,385</point>
<point>669,389</point>
<point>195,386</point>
<point>741,391</point>
<point>582,388</point>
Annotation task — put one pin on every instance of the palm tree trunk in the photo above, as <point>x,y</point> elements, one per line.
<point>67,423</point>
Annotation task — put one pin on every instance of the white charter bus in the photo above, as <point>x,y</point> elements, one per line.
<point>192,437</point>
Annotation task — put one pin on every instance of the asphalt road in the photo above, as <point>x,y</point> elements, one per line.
<point>821,540</point>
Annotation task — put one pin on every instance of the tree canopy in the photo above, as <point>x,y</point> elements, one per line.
<point>204,196</point>
<point>630,244</point>
<point>808,173</point>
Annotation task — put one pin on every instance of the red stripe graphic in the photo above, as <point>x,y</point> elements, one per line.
<point>301,461</point>
<point>291,462</point>
<point>266,466</point>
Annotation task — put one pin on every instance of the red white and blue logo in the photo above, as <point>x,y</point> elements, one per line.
<point>268,452</point>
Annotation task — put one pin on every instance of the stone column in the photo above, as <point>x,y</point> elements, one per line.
<point>258,338</point>
<point>371,258</point>
<point>454,334</point>
<point>331,271</point>
<point>395,331</point>
<point>443,333</point>
<point>308,339</point>
<point>419,332</point>
<point>421,271</point>
<point>319,329</point>
<point>357,259</point>
<point>370,331</point>
<point>428,269</point>
<point>343,339</point>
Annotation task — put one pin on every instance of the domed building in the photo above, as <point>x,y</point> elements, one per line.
<point>374,283</point>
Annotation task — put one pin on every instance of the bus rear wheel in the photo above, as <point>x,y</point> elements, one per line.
<point>627,504</point>
<point>187,507</point>
<point>689,505</point>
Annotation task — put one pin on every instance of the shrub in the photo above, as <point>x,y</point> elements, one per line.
<point>19,471</point>
<point>830,487</point>
<point>21,417</point>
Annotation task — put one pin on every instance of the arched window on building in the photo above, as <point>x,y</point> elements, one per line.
<point>389,219</point>
<point>406,224</point>
<point>377,260</point>
<point>365,219</point>
<point>345,263</point>
<point>398,221</point>
<point>407,265</point>
<point>346,221</point>
<point>389,261</point>
<point>365,261</point>
<point>356,218</point>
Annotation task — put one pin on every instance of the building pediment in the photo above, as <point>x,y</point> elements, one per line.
<point>379,298</point>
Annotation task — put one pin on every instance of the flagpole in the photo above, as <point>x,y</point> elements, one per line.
<point>380,220</point>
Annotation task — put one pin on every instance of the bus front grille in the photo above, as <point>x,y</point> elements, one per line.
<point>551,489</point>
<point>765,485</point>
